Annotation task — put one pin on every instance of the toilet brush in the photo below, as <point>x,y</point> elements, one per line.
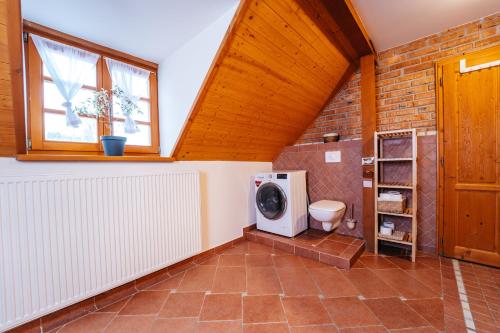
<point>351,222</point>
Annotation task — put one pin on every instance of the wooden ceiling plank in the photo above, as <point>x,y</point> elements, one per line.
<point>272,59</point>
<point>231,142</point>
<point>263,84</point>
<point>256,57</point>
<point>199,131</point>
<point>293,44</point>
<point>229,125</point>
<point>312,44</point>
<point>236,120</point>
<point>306,27</point>
<point>259,110</point>
<point>293,121</point>
<point>292,58</point>
<point>269,96</point>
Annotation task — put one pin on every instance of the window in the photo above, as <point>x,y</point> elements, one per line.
<point>63,77</point>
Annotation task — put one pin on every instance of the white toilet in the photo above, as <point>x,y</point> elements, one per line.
<point>328,212</point>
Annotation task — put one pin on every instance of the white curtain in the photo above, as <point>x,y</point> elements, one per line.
<point>68,66</point>
<point>123,76</point>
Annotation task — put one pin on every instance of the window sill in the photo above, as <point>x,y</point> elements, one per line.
<point>91,158</point>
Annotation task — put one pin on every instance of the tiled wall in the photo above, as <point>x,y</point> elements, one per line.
<point>333,181</point>
<point>405,83</point>
<point>343,182</point>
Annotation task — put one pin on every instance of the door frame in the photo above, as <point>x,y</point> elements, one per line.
<point>440,134</point>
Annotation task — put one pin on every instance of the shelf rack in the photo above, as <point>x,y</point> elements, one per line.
<point>379,161</point>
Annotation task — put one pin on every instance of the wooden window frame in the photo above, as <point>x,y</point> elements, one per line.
<point>35,81</point>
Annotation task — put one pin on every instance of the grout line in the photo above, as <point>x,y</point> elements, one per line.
<point>110,322</point>
<point>462,293</point>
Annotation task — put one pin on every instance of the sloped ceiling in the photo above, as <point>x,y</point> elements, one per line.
<point>279,64</point>
<point>149,29</point>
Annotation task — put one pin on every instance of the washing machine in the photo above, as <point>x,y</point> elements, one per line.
<point>281,202</point>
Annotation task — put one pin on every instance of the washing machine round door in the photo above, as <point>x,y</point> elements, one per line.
<point>271,201</point>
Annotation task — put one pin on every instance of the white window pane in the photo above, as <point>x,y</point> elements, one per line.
<point>89,80</point>
<point>52,99</point>
<point>143,106</point>
<point>56,129</point>
<point>141,138</point>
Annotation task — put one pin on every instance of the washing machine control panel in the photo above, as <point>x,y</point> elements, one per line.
<point>281,176</point>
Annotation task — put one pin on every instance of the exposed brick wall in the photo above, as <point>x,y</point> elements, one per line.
<point>331,181</point>
<point>405,83</point>
<point>341,115</point>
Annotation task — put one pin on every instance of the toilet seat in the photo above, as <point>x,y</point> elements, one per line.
<point>329,205</point>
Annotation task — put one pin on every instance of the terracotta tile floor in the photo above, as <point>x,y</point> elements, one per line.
<point>254,288</point>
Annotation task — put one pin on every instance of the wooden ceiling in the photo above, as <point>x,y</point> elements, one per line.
<point>279,64</point>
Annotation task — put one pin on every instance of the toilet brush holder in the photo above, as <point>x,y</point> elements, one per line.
<point>351,223</point>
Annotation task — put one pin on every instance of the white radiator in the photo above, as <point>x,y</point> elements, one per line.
<point>67,238</point>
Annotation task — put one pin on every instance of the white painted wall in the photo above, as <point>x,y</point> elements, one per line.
<point>226,188</point>
<point>181,75</point>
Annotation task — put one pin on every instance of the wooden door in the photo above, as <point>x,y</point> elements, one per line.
<point>469,123</point>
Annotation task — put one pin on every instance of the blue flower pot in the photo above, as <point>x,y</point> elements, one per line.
<point>113,145</point>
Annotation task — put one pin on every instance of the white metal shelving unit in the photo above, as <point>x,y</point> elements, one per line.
<point>379,162</point>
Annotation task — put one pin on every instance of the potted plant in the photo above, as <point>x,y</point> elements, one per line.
<point>100,105</point>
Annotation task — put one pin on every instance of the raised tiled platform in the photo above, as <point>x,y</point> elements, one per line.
<point>329,248</point>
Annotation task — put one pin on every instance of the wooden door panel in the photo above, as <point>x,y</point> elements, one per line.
<point>477,127</point>
<point>470,144</point>
<point>476,222</point>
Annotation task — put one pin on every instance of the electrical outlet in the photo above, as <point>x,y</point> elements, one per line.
<point>333,156</point>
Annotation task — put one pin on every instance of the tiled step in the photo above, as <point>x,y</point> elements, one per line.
<point>328,248</point>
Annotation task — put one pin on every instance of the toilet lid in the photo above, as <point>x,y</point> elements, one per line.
<point>328,205</point>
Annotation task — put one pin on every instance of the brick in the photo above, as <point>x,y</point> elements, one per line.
<point>412,46</point>
<point>459,41</point>
<point>389,75</point>
<point>472,27</point>
<point>391,60</point>
<point>403,64</point>
<point>489,32</point>
<point>424,80</point>
<point>424,101</point>
<point>463,48</point>
<point>419,67</point>
<point>487,41</point>
<point>429,94</point>
<point>396,86</point>
<point>410,77</point>
<point>438,55</point>
<point>421,52</point>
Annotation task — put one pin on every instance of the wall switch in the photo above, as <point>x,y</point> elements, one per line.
<point>367,160</point>
<point>367,183</point>
<point>333,156</point>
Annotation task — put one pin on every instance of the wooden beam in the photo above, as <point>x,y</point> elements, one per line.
<point>15,43</point>
<point>368,125</point>
<point>338,20</point>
